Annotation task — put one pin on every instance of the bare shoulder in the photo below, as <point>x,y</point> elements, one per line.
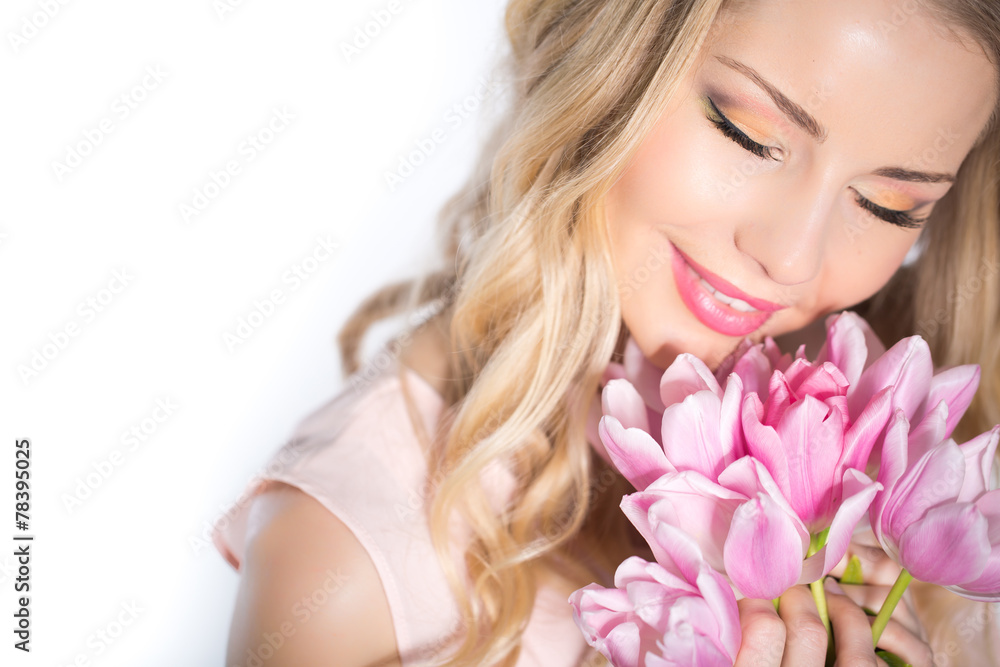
<point>309,594</point>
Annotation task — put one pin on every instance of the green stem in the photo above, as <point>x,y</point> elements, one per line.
<point>819,595</point>
<point>895,595</point>
<point>816,543</point>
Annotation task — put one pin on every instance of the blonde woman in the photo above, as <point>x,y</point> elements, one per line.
<point>686,173</point>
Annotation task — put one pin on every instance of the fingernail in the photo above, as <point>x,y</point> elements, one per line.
<point>831,585</point>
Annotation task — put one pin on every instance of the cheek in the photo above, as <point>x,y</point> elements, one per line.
<point>862,270</point>
<point>672,183</point>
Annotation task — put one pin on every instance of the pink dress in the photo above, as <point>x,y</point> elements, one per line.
<point>359,456</point>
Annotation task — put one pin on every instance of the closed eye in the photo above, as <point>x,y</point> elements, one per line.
<point>898,218</point>
<point>727,128</point>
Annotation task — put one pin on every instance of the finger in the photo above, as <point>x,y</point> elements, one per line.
<point>876,566</point>
<point>838,569</point>
<point>763,634</point>
<point>805,635</point>
<point>908,646</point>
<point>852,633</point>
<point>873,597</point>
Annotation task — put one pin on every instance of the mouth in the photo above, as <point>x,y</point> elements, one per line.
<point>716,303</point>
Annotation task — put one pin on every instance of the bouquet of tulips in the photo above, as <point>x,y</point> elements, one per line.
<point>754,478</point>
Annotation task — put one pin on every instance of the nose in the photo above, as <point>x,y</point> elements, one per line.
<point>787,234</point>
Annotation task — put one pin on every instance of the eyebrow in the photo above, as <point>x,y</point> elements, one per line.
<point>900,174</point>
<point>795,113</point>
<point>813,128</point>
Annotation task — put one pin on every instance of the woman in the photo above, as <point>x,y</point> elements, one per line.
<point>687,173</point>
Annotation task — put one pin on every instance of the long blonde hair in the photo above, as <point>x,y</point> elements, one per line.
<point>533,312</point>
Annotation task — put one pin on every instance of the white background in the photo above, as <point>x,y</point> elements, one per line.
<point>136,539</point>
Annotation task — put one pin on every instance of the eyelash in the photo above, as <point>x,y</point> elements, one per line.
<point>898,218</point>
<point>737,135</point>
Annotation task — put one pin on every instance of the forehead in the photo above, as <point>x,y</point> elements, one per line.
<point>872,73</point>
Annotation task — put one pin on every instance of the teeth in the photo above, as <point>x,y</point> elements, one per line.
<point>735,304</point>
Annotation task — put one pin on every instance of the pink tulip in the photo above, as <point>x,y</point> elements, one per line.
<point>644,379</point>
<point>744,526</point>
<point>937,516</point>
<point>808,441</point>
<point>788,436</point>
<point>906,367</point>
<point>699,429</point>
<point>675,612</point>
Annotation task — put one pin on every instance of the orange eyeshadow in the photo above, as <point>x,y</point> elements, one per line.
<point>894,200</point>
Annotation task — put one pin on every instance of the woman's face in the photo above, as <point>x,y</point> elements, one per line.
<point>788,171</point>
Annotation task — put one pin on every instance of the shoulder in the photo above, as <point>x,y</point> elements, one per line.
<point>309,590</point>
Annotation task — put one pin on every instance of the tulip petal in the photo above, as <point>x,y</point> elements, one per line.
<point>690,502</point>
<point>980,453</point>
<point>955,386</point>
<point>986,587</point>
<point>762,554</point>
<point>684,648</point>
<point>907,367</point>
<point>928,432</point>
<point>891,469</point>
<point>935,479</point>
<point>621,646</point>
<point>633,452</point>
<point>643,374</point>
<point>763,442</point>
<point>850,345</point>
<point>822,381</point>
<point>621,400</point>
<point>812,437</point>
<point>719,596</point>
<point>754,371</point>
<point>591,428</point>
<point>859,491</point>
<point>731,440</point>
<point>691,434</point>
<point>749,477</point>
<point>602,616</point>
<point>687,375</point>
<point>861,436</point>
<point>961,529</point>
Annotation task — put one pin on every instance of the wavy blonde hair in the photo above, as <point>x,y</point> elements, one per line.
<point>533,313</point>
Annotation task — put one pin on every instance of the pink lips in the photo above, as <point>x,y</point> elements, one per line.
<point>710,311</point>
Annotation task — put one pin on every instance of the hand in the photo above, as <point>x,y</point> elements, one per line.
<point>796,636</point>
<point>879,573</point>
